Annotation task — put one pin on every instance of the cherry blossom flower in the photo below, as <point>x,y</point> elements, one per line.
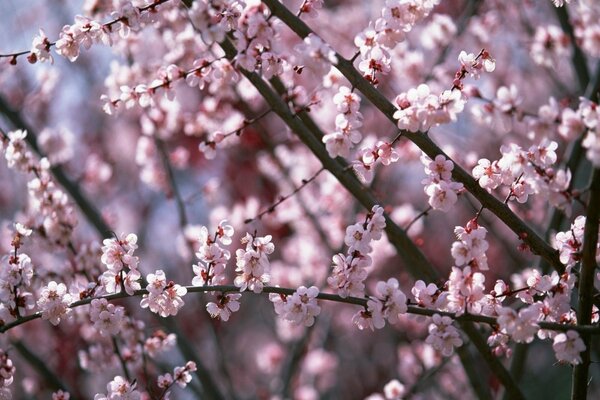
<point>163,298</point>
<point>253,264</point>
<point>568,347</point>
<point>473,65</point>
<point>521,326</point>
<point>225,306</point>
<point>443,195</point>
<point>121,389</point>
<point>394,390</point>
<point>428,295</point>
<point>54,302</point>
<point>182,375</point>
<point>300,308</point>
<point>315,54</point>
<point>487,174</point>
<point>442,335</point>
<point>549,45</point>
<point>107,318</point>
<point>392,299</point>
<point>40,48</point>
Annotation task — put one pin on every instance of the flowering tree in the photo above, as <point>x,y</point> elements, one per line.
<point>413,184</point>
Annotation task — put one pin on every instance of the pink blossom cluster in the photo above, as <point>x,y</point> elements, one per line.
<point>252,263</point>
<point>106,317</point>
<point>587,28</point>
<point>159,342</point>
<point>370,156</point>
<point>122,265</point>
<point>347,123</point>
<point>527,172</point>
<point>256,52</point>
<point>377,41</point>
<point>224,306</point>
<point>471,246</point>
<point>54,302</point>
<point>419,109</point>
<point>163,298</point>
<point>550,44</point>
<point>569,243</point>
<point>350,269</point>
<point>439,186</point>
<point>300,308</point>
<point>85,32</point>
<point>212,255</point>
<point>120,389</point>
<point>15,279</point>
<point>442,335</point>
<point>54,214</point>
<point>585,120</point>
<point>181,376</point>
<point>7,370</point>
<point>388,304</point>
<point>314,54</point>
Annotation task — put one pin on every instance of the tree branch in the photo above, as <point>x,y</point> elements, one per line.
<point>586,285</point>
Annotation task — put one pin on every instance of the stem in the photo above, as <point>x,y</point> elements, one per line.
<point>488,320</point>
<point>121,359</point>
<point>586,285</point>
<point>281,199</point>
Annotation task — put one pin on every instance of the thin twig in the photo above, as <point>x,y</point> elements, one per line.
<point>412,309</point>
<point>122,361</point>
<point>281,199</point>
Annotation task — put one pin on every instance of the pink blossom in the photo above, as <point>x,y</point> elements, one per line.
<point>568,346</point>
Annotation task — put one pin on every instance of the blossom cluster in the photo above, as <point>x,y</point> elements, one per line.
<point>54,302</point>
<point>442,335</point>
<point>583,121</point>
<point>380,37</point>
<point>527,172</point>
<point>347,123</point>
<point>439,186</point>
<point>300,308</point>
<point>419,109</point>
<point>119,389</point>
<point>369,156</point>
<point>212,255</point>
<point>121,263</point>
<point>350,269</point>
<point>388,304</point>
<point>570,243</point>
<point>106,317</point>
<point>252,264</point>
<point>471,246</point>
<point>163,298</point>
<point>54,214</point>
<point>7,370</point>
<point>16,274</point>
<point>85,32</point>
<point>181,376</point>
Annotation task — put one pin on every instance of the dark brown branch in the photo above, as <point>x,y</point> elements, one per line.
<point>586,285</point>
